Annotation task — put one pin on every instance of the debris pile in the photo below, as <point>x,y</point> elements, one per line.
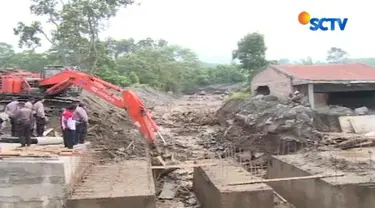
<point>110,130</point>
<point>260,122</point>
<point>193,118</point>
<point>346,141</point>
<point>178,186</point>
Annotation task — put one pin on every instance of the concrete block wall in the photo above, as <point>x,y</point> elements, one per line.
<point>344,192</point>
<point>32,184</point>
<point>205,190</point>
<point>39,183</point>
<point>212,190</point>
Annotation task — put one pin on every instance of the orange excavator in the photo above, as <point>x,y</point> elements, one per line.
<point>54,81</point>
<point>113,94</point>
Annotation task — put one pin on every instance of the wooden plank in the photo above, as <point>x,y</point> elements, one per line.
<point>183,166</point>
<point>9,153</point>
<point>284,179</point>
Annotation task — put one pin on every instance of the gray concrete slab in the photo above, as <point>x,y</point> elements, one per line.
<point>128,184</point>
<point>210,184</point>
<point>355,189</point>
<point>37,182</point>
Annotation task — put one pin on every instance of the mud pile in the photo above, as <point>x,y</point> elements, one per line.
<point>259,123</point>
<point>110,130</point>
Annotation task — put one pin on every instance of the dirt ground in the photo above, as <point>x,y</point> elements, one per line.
<point>185,122</point>
<point>190,124</point>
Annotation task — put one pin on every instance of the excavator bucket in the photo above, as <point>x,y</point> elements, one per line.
<point>140,116</point>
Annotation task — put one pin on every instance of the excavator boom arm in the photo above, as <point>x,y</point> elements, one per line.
<point>113,94</point>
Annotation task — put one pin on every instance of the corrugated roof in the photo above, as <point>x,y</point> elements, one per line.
<point>330,72</point>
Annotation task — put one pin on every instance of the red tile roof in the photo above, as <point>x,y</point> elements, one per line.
<point>348,72</point>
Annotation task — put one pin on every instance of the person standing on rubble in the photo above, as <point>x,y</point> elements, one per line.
<point>69,126</point>
<point>40,116</point>
<point>25,120</point>
<point>63,126</point>
<point>29,104</point>
<point>81,117</point>
<point>3,119</point>
<point>11,109</point>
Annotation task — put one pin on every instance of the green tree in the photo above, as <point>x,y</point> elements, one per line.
<point>76,27</point>
<point>251,52</point>
<point>134,78</point>
<point>337,55</point>
<point>148,62</point>
<point>6,55</point>
<point>227,74</point>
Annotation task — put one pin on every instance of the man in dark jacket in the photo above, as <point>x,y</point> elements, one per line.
<point>25,119</point>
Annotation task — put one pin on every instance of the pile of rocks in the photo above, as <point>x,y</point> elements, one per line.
<point>269,115</point>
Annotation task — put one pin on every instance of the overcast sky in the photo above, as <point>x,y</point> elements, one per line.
<point>212,27</point>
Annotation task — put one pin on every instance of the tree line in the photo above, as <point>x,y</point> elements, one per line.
<point>129,63</point>
<point>74,28</point>
<point>335,55</point>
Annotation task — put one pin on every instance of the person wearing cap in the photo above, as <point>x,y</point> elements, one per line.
<point>29,104</point>
<point>40,116</point>
<point>25,119</point>
<point>11,109</point>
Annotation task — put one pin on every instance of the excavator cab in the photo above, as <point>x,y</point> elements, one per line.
<point>51,70</point>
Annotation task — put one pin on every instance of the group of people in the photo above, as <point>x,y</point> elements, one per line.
<point>24,116</point>
<point>74,122</point>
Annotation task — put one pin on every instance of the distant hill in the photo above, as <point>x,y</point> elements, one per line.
<point>368,61</point>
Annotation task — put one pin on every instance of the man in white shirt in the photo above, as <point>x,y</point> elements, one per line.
<point>30,105</point>
<point>11,109</point>
<point>40,116</point>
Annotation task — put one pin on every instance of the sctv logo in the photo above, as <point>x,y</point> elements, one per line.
<point>323,24</point>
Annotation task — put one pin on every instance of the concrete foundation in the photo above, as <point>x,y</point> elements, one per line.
<point>354,189</point>
<point>38,182</point>
<point>210,186</point>
<point>128,185</point>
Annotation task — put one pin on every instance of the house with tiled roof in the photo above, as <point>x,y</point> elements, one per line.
<point>350,85</point>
